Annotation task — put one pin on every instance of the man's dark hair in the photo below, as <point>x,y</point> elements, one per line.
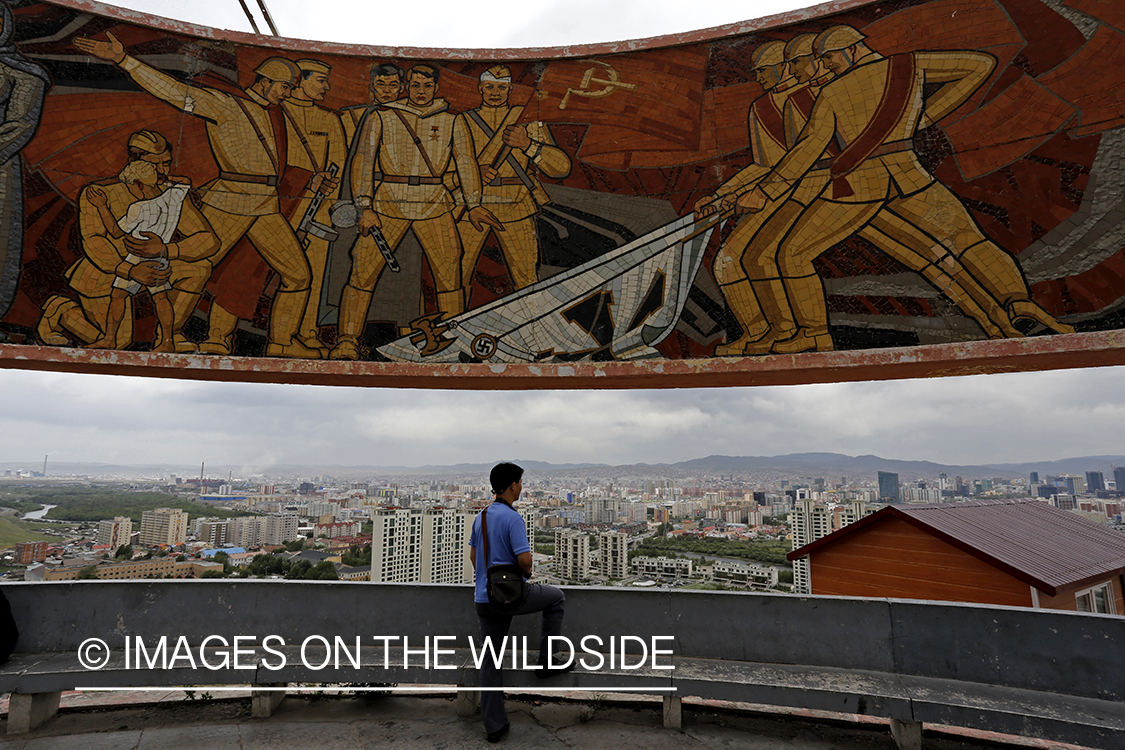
<point>504,476</point>
<point>426,71</point>
<point>388,69</point>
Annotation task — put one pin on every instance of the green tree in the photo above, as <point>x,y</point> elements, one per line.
<point>87,573</point>
<point>212,574</point>
<point>322,571</point>
<point>124,551</point>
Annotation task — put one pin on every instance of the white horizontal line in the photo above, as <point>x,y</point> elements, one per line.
<point>231,689</point>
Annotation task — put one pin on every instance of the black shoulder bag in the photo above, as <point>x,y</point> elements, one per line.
<point>504,583</point>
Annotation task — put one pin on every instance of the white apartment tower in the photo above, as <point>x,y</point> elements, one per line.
<point>445,538</point>
<point>809,521</point>
<point>163,526</point>
<point>116,532</point>
<point>412,545</point>
<point>614,548</point>
<point>572,554</point>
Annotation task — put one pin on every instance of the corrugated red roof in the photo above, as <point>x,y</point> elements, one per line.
<point>1051,549</point>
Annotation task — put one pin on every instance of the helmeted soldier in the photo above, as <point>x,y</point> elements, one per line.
<point>247,134</point>
<point>766,124</point>
<point>874,108</point>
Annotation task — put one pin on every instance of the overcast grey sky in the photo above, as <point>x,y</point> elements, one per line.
<point>981,419</point>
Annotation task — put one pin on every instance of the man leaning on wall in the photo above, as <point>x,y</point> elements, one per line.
<point>508,545</point>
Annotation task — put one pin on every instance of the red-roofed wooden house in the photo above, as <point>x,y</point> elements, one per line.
<point>1021,553</point>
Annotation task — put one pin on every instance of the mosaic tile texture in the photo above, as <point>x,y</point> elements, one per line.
<point>902,173</point>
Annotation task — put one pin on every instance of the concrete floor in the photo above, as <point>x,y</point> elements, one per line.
<point>169,720</point>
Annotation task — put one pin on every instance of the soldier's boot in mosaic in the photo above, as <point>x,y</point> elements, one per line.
<point>50,328</point>
<point>353,317</point>
<point>810,312</point>
<point>285,318</point>
<point>743,304</point>
<point>1000,274</point>
<point>1029,314</point>
<point>774,299</point>
<point>220,331</point>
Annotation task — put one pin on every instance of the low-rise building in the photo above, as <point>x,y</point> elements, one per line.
<point>750,575</point>
<point>1020,553</point>
<point>664,568</point>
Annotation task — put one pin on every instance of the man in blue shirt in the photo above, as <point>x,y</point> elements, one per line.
<point>508,545</point>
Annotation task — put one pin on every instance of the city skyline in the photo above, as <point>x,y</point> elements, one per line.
<point>968,420</point>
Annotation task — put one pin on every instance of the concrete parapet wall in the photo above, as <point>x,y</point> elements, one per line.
<point>1059,652</point>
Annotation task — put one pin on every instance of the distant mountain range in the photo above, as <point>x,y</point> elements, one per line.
<point>827,465</point>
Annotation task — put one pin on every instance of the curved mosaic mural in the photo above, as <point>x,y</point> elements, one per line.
<point>900,173</point>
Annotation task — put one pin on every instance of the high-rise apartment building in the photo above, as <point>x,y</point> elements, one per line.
<point>572,554</point>
<point>28,553</point>
<point>214,533</point>
<point>601,509</point>
<point>410,545</point>
<point>445,538</point>
<point>1119,479</point>
<point>614,559</point>
<point>163,526</point>
<point>1094,481</point>
<point>888,487</point>
<point>1075,485</point>
<point>116,532</point>
<point>810,521</point>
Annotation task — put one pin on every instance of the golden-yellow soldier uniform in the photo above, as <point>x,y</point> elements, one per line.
<point>513,195</point>
<point>105,261</point>
<point>760,262</point>
<point>766,125</point>
<point>243,201</point>
<point>874,111</point>
<point>316,141</point>
<point>404,150</point>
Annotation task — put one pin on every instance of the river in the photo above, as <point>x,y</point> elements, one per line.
<point>38,515</point>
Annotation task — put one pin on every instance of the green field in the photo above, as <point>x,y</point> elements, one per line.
<point>14,532</point>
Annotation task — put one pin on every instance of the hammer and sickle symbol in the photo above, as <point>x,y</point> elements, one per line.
<point>428,329</point>
<point>611,84</point>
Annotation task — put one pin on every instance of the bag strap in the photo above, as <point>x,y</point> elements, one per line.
<point>484,533</point>
<point>417,141</point>
<point>305,141</point>
<point>261,137</point>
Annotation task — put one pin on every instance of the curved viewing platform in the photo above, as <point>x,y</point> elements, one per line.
<point>1048,675</point>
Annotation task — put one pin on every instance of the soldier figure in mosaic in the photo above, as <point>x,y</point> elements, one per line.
<point>766,124</point>
<point>397,180</point>
<point>388,81</point>
<point>116,262</point>
<point>508,154</point>
<point>871,112</point>
<point>247,134</point>
<point>23,85</point>
<point>318,146</point>
<point>760,260</point>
